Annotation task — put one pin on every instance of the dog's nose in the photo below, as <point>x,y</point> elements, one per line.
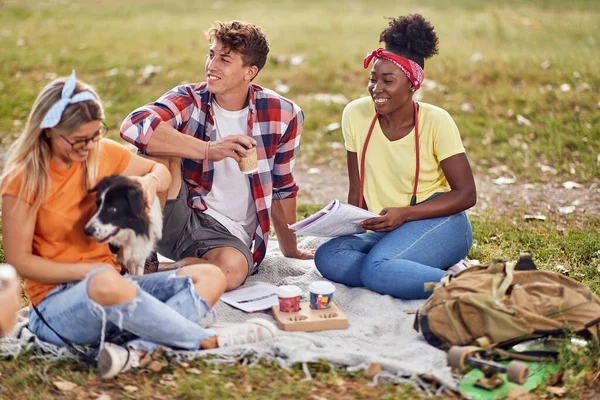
<point>89,230</point>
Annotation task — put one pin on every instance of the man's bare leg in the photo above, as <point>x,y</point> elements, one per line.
<point>229,259</point>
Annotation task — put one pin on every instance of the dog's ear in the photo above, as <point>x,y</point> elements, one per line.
<point>135,197</point>
<point>103,184</point>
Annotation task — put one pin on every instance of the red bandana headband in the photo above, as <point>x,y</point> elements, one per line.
<point>411,69</point>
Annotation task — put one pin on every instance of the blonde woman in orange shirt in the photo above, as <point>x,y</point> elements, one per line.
<point>73,281</point>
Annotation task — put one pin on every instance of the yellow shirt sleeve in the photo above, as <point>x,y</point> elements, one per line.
<point>348,129</point>
<point>446,141</point>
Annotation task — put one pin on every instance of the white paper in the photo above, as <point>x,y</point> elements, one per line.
<point>335,219</point>
<point>259,297</point>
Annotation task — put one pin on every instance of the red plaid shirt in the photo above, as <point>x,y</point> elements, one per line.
<point>273,121</point>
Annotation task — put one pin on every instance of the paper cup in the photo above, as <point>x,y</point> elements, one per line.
<point>7,273</point>
<point>289,298</point>
<point>249,163</point>
<point>321,293</point>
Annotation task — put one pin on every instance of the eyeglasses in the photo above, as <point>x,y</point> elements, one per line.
<point>82,143</point>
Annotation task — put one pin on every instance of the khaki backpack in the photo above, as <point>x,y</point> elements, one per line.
<point>498,306</point>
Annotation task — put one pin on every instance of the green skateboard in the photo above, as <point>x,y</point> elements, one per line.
<point>488,379</point>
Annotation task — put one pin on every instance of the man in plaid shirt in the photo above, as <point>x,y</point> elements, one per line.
<point>213,212</point>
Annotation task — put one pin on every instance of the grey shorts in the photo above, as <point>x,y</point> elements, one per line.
<point>190,233</point>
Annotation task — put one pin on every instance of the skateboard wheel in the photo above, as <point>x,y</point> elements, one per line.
<point>517,372</point>
<point>456,357</point>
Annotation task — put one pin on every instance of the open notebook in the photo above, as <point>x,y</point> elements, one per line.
<point>333,220</point>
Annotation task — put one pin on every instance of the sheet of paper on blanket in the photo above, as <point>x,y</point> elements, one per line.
<point>333,220</point>
<point>259,297</point>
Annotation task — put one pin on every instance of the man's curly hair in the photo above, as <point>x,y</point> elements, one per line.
<point>410,36</point>
<point>244,38</point>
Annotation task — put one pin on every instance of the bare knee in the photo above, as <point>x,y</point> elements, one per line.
<point>208,279</point>
<point>235,270</point>
<point>108,288</point>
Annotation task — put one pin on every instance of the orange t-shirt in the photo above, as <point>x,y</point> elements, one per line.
<point>58,234</point>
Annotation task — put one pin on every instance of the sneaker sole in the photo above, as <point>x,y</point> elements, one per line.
<point>268,325</point>
<point>106,366</point>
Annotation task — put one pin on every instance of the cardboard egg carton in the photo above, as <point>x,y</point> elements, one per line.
<point>308,320</point>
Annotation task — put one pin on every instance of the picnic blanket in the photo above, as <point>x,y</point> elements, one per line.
<point>380,331</point>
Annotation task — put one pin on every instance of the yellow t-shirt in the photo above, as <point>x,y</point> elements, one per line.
<point>58,233</point>
<point>390,166</point>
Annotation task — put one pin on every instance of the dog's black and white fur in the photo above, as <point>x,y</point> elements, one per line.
<point>123,221</point>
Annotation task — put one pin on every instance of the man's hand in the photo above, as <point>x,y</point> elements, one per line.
<point>230,146</point>
<point>390,219</point>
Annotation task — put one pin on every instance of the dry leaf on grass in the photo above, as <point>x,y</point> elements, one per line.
<point>374,369</point>
<point>184,365</point>
<point>194,371</point>
<point>65,386</point>
<point>168,383</point>
<point>229,385</point>
<point>130,388</point>
<point>156,366</point>
<point>103,397</point>
<point>557,391</point>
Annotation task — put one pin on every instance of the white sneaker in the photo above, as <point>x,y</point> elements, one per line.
<point>459,266</point>
<point>251,331</point>
<point>114,359</point>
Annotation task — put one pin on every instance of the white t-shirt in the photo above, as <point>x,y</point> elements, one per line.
<point>230,200</point>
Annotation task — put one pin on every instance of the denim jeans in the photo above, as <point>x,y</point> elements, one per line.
<point>166,312</point>
<point>399,262</point>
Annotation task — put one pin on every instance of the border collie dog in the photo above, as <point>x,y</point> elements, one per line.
<point>123,221</point>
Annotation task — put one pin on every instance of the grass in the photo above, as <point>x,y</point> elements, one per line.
<point>498,60</point>
<point>525,50</point>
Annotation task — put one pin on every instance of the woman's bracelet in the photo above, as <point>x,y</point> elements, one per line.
<point>206,151</point>
<point>155,177</point>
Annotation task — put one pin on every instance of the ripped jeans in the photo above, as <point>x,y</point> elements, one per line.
<point>165,312</point>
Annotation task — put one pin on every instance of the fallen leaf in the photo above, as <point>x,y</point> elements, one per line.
<point>65,386</point>
<point>566,210</point>
<point>229,385</point>
<point>130,388</point>
<point>147,359</point>
<point>571,185</point>
<point>504,180</point>
<point>521,120</point>
<point>194,371</point>
<point>529,217</point>
<point>557,391</point>
<point>561,269</point>
<point>156,366</point>
<point>374,369</point>
<point>476,57</point>
<point>104,397</point>
<point>184,365</point>
<point>168,383</point>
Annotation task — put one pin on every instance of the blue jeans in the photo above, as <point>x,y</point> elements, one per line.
<point>166,312</point>
<point>399,262</point>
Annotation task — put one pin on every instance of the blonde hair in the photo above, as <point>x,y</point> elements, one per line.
<point>30,154</point>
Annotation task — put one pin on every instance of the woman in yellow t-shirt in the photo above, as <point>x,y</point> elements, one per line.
<point>72,281</point>
<point>407,163</point>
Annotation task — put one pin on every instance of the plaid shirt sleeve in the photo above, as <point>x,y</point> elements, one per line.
<point>174,107</point>
<point>284,185</point>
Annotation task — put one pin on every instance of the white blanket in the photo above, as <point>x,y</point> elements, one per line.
<point>379,332</point>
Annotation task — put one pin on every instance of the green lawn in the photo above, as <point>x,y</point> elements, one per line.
<point>498,60</point>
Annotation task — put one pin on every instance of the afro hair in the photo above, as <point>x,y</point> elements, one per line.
<point>410,36</point>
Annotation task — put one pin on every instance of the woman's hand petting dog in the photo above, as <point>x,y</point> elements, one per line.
<point>149,185</point>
